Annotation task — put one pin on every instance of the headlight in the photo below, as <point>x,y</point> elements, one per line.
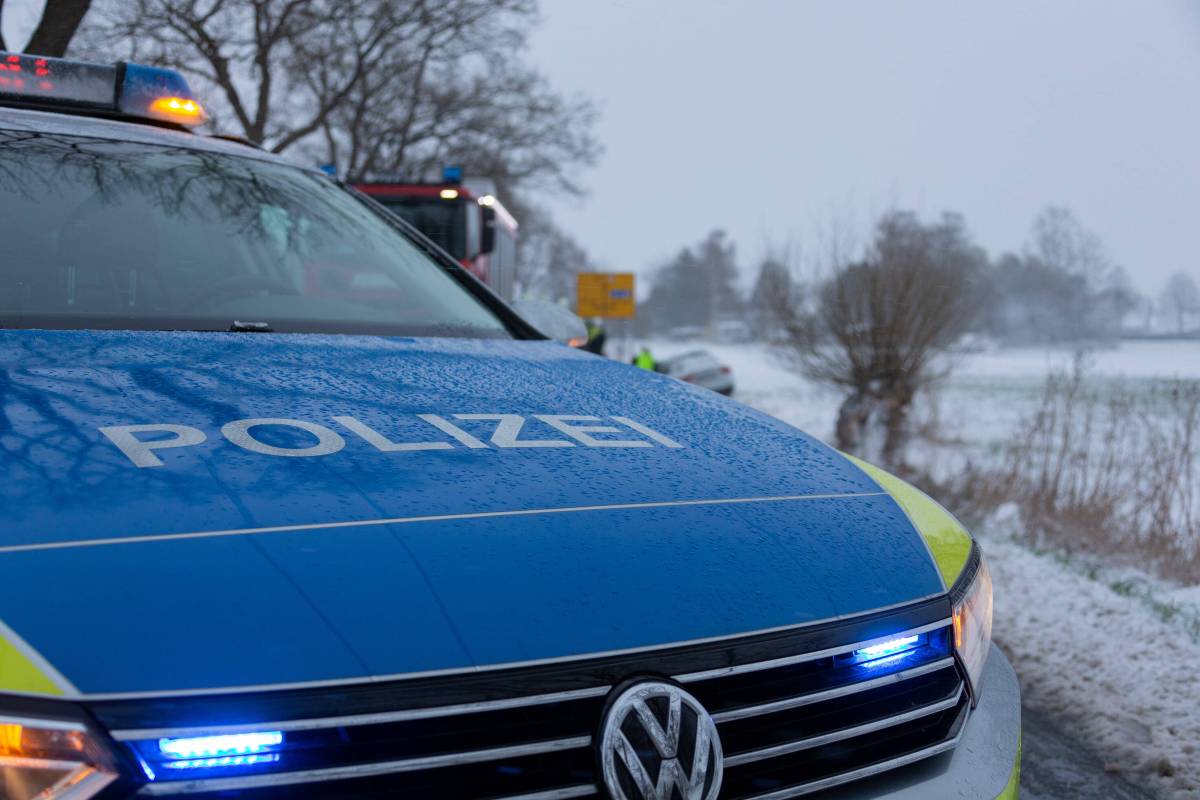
<point>44,759</point>
<point>972,598</point>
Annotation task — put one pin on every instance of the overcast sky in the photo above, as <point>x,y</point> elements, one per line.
<point>767,118</point>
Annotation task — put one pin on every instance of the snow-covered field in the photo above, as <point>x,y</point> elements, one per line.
<point>1109,651</point>
<point>984,398</point>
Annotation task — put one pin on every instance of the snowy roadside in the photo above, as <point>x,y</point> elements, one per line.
<point>1107,651</point>
<point>1111,664</point>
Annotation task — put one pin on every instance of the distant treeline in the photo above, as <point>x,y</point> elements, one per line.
<point>1060,287</point>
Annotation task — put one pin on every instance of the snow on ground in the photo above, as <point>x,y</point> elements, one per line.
<point>1113,666</point>
<point>1108,651</point>
<point>1135,359</point>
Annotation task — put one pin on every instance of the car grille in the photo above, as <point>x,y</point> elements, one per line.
<point>794,710</point>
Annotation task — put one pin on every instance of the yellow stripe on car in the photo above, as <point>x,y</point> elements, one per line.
<point>947,539</point>
<point>1013,790</point>
<point>19,673</point>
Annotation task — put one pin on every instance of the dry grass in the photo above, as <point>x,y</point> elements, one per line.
<point>1104,466</point>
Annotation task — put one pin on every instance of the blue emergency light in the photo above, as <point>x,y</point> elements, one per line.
<point>230,753</point>
<point>234,744</point>
<point>890,647</point>
<point>131,90</point>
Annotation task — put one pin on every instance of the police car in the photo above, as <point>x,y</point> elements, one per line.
<point>291,505</point>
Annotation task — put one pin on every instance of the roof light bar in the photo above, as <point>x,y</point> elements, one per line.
<point>54,80</point>
<point>158,94</point>
<point>132,90</point>
<point>176,109</point>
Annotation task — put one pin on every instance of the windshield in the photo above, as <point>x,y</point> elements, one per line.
<point>441,220</point>
<point>102,234</point>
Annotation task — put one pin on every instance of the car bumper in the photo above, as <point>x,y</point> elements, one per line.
<point>985,764</point>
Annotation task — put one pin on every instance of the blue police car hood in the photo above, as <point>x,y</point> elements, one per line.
<point>271,554</point>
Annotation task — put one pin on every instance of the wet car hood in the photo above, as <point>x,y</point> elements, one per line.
<point>223,566</point>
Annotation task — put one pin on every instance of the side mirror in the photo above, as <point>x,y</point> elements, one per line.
<point>553,321</point>
<point>487,235</point>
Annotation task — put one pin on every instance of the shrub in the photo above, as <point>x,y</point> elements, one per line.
<point>1106,465</point>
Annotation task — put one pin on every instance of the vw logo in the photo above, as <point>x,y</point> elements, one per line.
<point>657,739</point>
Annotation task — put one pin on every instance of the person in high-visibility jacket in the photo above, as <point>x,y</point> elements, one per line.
<point>644,360</point>
<point>596,338</point>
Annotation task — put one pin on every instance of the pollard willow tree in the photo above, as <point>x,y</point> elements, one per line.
<point>878,328</point>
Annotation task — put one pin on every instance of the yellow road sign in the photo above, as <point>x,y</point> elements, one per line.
<point>604,294</point>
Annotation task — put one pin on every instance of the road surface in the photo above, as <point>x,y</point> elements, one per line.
<point>1056,765</point>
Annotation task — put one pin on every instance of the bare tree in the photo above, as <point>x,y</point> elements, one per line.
<point>1061,241</point>
<point>278,67</point>
<point>60,19</point>
<point>371,85</point>
<point>775,287</point>
<point>549,258</point>
<point>456,93</point>
<point>881,324</point>
<point>1180,299</point>
<point>696,287</point>
<point>1104,297</point>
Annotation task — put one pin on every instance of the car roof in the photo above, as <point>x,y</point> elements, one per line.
<point>694,354</point>
<point>37,121</point>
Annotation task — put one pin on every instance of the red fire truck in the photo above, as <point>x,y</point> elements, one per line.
<point>463,217</point>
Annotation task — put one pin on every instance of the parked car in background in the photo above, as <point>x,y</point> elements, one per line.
<point>683,332</point>
<point>700,367</point>
<point>733,331</point>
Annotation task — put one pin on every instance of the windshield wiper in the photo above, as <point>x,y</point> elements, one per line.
<point>250,327</point>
